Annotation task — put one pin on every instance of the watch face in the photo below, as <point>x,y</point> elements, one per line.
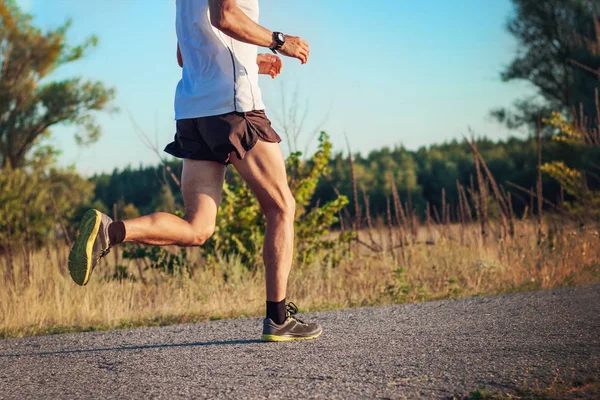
<point>280,37</point>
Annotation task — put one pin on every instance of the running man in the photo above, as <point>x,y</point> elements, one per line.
<point>220,120</point>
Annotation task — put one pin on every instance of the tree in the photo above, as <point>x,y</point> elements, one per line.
<point>35,203</point>
<point>165,201</point>
<point>28,107</point>
<point>552,36</point>
<point>575,182</point>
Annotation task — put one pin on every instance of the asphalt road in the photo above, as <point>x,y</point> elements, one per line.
<point>432,350</point>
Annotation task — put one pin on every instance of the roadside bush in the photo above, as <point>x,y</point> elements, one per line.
<point>34,203</point>
<point>241,223</point>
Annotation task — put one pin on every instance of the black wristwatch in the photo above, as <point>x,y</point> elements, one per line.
<point>278,41</point>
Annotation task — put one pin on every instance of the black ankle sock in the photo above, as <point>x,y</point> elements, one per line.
<point>116,232</point>
<point>276,311</point>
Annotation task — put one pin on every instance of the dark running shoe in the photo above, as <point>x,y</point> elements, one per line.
<point>90,246</point>
<point>291,329</point>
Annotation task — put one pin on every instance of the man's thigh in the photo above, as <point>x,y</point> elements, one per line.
<point>263,168</point>
<point>201,185</point>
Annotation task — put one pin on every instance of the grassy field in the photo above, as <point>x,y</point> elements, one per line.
<point>442,262</point>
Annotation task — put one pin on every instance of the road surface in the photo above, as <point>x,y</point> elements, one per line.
<point>432,350</point>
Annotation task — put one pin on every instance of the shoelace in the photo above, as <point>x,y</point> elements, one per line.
<point>104,252</point>
<point>292,310</point>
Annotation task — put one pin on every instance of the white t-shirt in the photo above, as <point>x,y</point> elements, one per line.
<point>219,74</point>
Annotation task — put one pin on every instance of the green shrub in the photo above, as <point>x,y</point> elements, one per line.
<point>34,203</point>
<point>241,223</point>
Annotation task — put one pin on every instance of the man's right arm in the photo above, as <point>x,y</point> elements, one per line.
<point>227,17</point>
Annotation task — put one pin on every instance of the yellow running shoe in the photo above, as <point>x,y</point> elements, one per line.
<point>90,246</point>
<point>291,329</point>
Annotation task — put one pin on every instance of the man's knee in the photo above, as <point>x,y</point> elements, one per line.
<point>283,208</point>
<point>203,234</point>
<point>198,234</point>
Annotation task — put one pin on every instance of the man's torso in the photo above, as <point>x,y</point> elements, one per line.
<point>220,74</point>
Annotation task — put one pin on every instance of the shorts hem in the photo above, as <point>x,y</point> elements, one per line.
<point>218,138</point>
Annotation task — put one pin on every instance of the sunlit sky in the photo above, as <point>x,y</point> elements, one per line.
<point>382,72</point>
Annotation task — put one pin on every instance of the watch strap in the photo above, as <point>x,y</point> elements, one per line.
<point>277,43</point>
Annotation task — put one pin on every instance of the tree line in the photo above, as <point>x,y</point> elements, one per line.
<point>421,175</point>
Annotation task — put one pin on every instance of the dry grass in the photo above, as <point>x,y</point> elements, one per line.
<point>585,387</point>
<point>459,264</point>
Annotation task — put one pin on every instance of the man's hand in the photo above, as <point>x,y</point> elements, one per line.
<point>269,64</point>
<point>295,47</point>
<point>227,17</point>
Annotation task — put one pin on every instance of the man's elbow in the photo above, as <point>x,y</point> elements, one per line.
<point>224,21</point>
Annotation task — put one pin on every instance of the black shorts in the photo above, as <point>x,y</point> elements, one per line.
<point>214,138</point>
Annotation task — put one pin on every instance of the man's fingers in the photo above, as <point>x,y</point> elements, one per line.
<point>305,49</point>
<point>303,56</point>
<point>277,64</point>
<point>274,72</point>
<point>297,48</point>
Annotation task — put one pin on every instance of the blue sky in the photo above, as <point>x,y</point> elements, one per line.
<point>382,72</point>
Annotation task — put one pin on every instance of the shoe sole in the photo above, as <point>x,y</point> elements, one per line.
<point>81,256</point>
<point>277,338</point>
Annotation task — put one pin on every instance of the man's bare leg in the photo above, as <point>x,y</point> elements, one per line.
<point>202,182</point>
<point>201,185</point>
<point>263,169</point>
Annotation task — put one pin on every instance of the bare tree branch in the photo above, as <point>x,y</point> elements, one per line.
<point>147,141</point>
<point>291,117</point>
